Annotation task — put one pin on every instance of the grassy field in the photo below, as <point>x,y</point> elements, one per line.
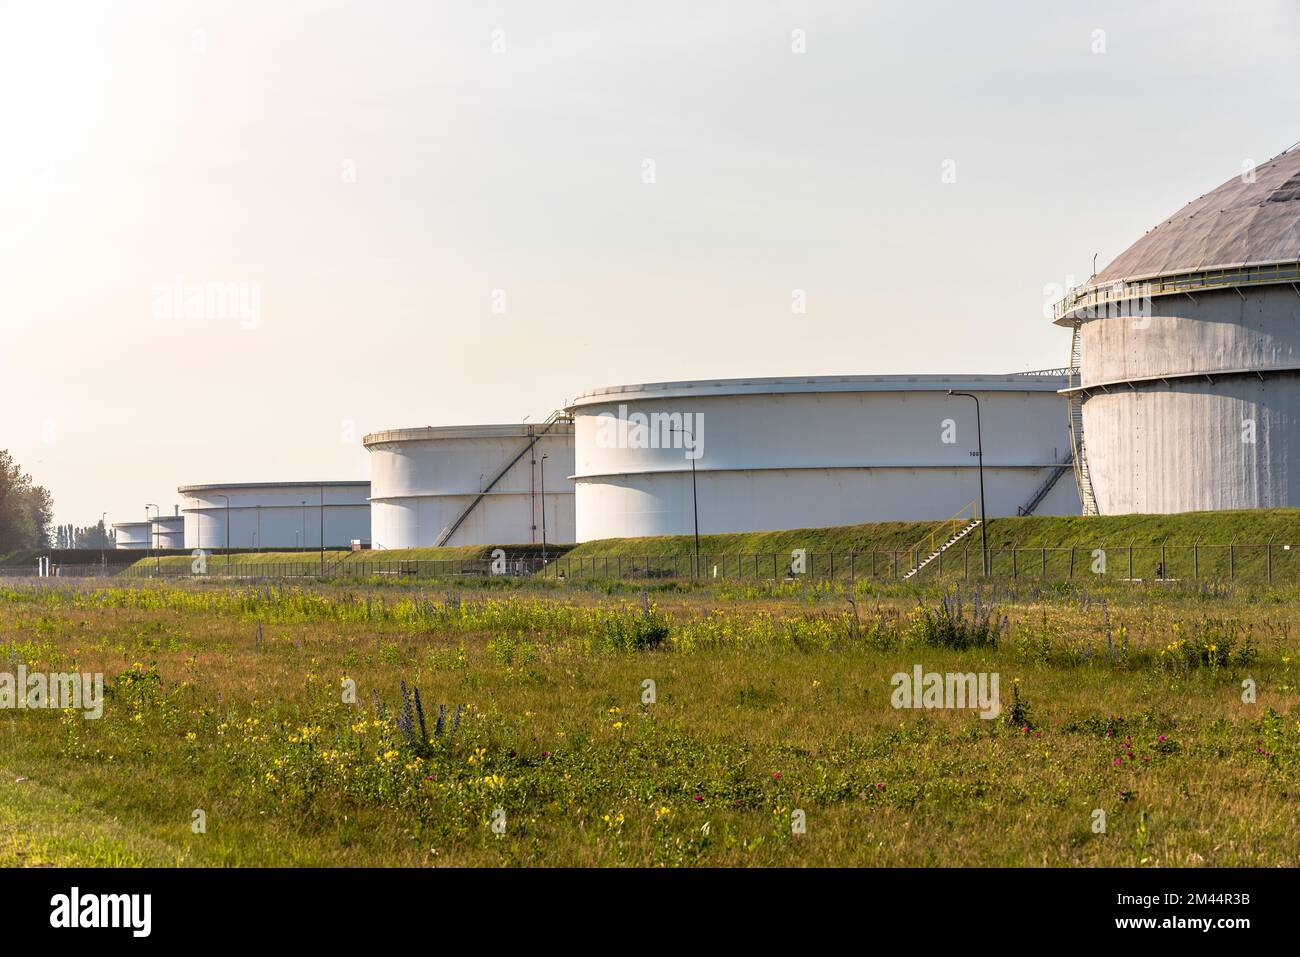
<point>226,704</point>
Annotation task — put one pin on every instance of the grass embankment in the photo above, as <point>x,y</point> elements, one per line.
<point>334,557</point>
<point>1255,526</point>
<point>769,699</point>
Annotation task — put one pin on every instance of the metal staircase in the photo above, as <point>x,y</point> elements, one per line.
<point>953,540</point>
<point>1082,477</point>
<point>1048,485</point>
<point>942,537</point>
<point>555,419</point>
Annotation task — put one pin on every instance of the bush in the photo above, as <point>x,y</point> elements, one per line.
<point>952,624</point>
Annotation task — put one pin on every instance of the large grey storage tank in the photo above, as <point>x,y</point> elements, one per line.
<point>1185,390</point>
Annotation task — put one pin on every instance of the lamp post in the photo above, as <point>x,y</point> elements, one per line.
<point>227,498</point>
<point>979,439</point>
<point>695,497</point>
<point>153,536</point>
<point>304,524</point>
<point>542,466</point>
<point>322,531</point>
<point>103,542</point>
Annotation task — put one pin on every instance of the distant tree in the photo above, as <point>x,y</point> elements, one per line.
<point>26,509</point>
<point>91,536</point>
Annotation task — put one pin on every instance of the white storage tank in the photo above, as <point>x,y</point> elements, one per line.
<point>472,485</point>
<point>781,453</point>
<point>276,515</point>
<point>1185,393</point>
<point>168,531</point>
<point>133,535</point>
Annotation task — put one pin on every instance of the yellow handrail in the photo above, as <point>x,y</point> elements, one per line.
<point>945,530</point>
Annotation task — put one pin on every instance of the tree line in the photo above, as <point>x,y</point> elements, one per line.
<point>89,536</point>
<point>26,509</point>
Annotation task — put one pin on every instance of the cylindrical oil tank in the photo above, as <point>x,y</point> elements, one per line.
<point>1187,356</point>
<point>137,535</point>
<point>472,485</point>
<point>269,515</point>
<point>783,453</point>
<point>169,531</point>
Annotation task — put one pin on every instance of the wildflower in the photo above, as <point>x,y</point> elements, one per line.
<point>617,725</point>
<point>191,736</point>
<point>776,775</point>
<point>699,797</point>
<point>662,812</point>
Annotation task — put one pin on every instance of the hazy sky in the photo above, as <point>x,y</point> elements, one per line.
<point>437,213</point>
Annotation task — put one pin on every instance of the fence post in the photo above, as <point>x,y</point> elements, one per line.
<point>1232,560</point>
<point>1196,560</point>
<point>1269,553</point>
<point>1130,561</point>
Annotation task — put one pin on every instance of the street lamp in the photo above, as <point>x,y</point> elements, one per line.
<point>542,466</point>
<point>979,438</point>
<point>695,496</point>
<point>227,498</point>
<point>153,535</point>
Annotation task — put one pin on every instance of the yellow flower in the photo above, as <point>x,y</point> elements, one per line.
<point>617,725</point>
<point>191,736</point>
<point>662,812</point>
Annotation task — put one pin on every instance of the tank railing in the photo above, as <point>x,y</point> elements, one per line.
<point>1088,297</point>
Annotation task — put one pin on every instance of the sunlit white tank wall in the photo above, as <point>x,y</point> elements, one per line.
<point>823,451</point>
<point>168,531</point>
<point>1195,406</point>
<point>423,479</point>
<point>276,514</point>
<point>133,534</point>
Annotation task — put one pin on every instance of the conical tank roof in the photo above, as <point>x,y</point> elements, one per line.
<point>1252,218</point>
